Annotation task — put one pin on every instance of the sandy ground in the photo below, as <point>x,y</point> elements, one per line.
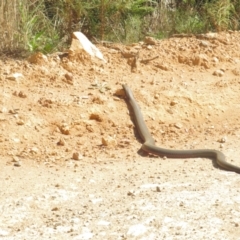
<point>71,164</point>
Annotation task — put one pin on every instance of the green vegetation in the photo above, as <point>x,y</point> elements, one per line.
<point>47,25</point>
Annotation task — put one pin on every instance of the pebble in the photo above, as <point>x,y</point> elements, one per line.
<point>109,141</point>
<point>77,156</point>
<point>218,73</point>
<point>61,142</point>
<point>15,76</point>
<point>17,164</point>
<point>178,125</point>
<point>204,43</point>
<point>222,140</point>
<point>173,102</point>
<point>150,40</point>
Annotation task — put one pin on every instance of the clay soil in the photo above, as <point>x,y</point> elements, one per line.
<point>71,160</point>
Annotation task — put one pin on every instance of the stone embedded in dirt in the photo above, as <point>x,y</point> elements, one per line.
<point>99,99</point>
<point>20,122</point>
<point>55,209</point>
<point>22,94</point>
<point>200,59</point>
<point>204,43</point>
<point>19,94</point>
<point>96,116</point>
<point>109,141</point>
<point>222,140</point>
<point>178,125</point>
<point>45,102</point>
<point>218,73</point>
<point>173,102</point>
<point>61,142</point>
<point>17,164</point>
<point>3,110</point>
<point>34,150</point>
<point>77,156</point>
<point>64,129</point>
<point>38,58</point>
<point>15,76</point>
<point>215,60</point>
<point>162,66</point>
<point>119,92</point>
<point>69,78</point>
<point>150,40</point>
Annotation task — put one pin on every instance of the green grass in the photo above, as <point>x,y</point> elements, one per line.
<point>27,24</point>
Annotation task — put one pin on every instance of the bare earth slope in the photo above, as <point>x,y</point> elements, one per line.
<point>70,161</point>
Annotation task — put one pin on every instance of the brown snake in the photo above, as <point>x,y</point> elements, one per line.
<point>150,147</point>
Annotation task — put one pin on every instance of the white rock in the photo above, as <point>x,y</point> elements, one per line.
<point>88,46</point>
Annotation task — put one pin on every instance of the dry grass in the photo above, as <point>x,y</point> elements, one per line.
<point>9,22</point>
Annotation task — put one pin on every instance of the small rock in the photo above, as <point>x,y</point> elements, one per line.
<point>222,140</point>
<point>200,60</point>
<point>15,76</point>
<point>65,129</point>
<point>162,66</point>
<point>22,95</point>
<point>20,122</point>
<point>173,102</point>
<point>61,142</point>
<point>69,76</point>
<point>119,92</point>
<point>38,58</point>
<point>215,60</point>
<point>96,116</point>
<point>218,73</point>
<point>178,125</point>
<point>150,40</point>
<point>34,150</point>
<point>109,141</point>
<point>55,209</point>
<point>204,43</point>
<point>130,193</point>
<point>77,156</point>
<point>17,164</point>
<point>3,110</point>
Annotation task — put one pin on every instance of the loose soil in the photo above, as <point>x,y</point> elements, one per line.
<point>71,164</point>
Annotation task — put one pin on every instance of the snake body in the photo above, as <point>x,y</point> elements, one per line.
<point>150,147</point>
